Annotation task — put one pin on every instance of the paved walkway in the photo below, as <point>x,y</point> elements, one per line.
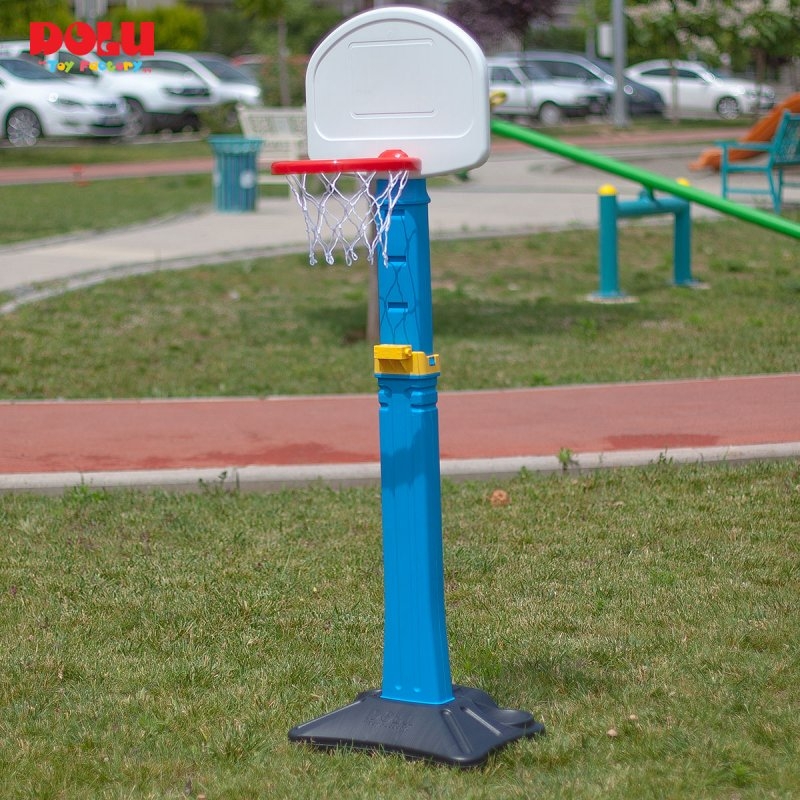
<point>519,189</point>
<point>283,441</point>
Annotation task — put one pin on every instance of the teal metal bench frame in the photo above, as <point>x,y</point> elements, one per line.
<point>782,153</point>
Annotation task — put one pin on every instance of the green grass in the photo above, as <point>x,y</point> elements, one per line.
<point>158,645</point>
<point>54,209</point>
<point>101,151</point>
<point>507,312</point>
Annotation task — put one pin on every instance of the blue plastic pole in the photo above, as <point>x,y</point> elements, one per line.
<point>405,296</point>
<point>416,664</point>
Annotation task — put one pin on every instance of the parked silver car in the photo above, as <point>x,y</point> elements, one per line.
<point>228,83</point>
<point>702,92</point>
<point>598,76</point>
<point>529,91</point>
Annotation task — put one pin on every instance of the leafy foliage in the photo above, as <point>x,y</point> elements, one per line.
<point>717,30</point>
<point>176,27</point>
<point>16,15</point>
<point>264,9</point>
<point>489,21</point>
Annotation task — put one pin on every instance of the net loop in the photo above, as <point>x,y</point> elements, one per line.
<point>338,215</point>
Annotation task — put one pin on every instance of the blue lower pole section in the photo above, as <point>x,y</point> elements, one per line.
<point>416,664</point>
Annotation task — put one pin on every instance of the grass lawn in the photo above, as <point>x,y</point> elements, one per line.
<point>507,312</point>
<point>160,645</point>
<point>102,151</point>
<point>53,209</point>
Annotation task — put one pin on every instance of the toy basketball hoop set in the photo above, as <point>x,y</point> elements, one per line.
<point>395,95</point>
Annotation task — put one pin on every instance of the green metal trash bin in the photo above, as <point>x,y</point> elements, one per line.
<point>235,175</point>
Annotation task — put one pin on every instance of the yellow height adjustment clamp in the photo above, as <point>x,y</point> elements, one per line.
<point>400,359</point>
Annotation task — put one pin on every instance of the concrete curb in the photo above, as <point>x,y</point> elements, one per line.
<point>277,478</point>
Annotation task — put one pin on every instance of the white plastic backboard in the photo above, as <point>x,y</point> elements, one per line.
<point>399,77</point>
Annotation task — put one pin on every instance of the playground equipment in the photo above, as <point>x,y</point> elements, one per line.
<point>612,210</point>
<point>763,131</point>
<point>387,82</point>
<point>781,154</point>
<point>651,180</point>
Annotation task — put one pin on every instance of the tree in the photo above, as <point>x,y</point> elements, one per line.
<point>16,16</point>
<point>761,30</point>
<point>489,21</point>
<point>740,31</point>
<point>176,27</point>
<point>747,31</point>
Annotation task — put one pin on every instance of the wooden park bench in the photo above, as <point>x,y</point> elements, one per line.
<point>282,131</point>
<point>782,154</point>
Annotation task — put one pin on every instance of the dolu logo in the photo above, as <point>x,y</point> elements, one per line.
<point>80,39</point>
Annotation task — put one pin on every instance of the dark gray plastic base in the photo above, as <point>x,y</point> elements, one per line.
<point>462,732</point>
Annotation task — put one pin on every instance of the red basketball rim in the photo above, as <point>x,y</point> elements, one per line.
<point>387,161</point>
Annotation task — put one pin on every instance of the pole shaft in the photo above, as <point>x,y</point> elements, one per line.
<point>416,663</point>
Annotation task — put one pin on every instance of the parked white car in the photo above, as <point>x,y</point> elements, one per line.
<point>35,103</point>
<point>155,100</point>
<point>228,83</point>
<point>701,92</point>
<point>529,91</point>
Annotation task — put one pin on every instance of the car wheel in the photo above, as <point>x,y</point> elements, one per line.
<point>23,128</point>
<point>138,119</point>
<point>191,123</point>
<point>728,108</point>
<point>550,114</point>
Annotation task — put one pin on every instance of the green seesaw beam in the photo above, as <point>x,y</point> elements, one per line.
<point>652,180</point>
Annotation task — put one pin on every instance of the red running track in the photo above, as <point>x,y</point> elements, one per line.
<point>119,435</point>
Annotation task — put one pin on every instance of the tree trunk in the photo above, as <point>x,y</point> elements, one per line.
<point>675,111</point>
<point>283,67</point>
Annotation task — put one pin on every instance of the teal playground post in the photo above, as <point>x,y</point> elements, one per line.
<point>612,210</point>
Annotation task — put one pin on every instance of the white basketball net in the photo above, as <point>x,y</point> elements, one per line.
<point>346,217</point>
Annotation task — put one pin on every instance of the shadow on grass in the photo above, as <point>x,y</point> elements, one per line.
<point>461,316</point>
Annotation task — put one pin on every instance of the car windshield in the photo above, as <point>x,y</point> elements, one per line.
<point>226,72</point>
<point>534,72</point>
<point>27,70</point>
<point>606,66</point>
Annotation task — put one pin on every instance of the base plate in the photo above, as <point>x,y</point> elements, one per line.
<point>461,732</point>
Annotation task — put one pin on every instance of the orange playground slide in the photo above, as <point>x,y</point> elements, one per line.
<point>762,131</point>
